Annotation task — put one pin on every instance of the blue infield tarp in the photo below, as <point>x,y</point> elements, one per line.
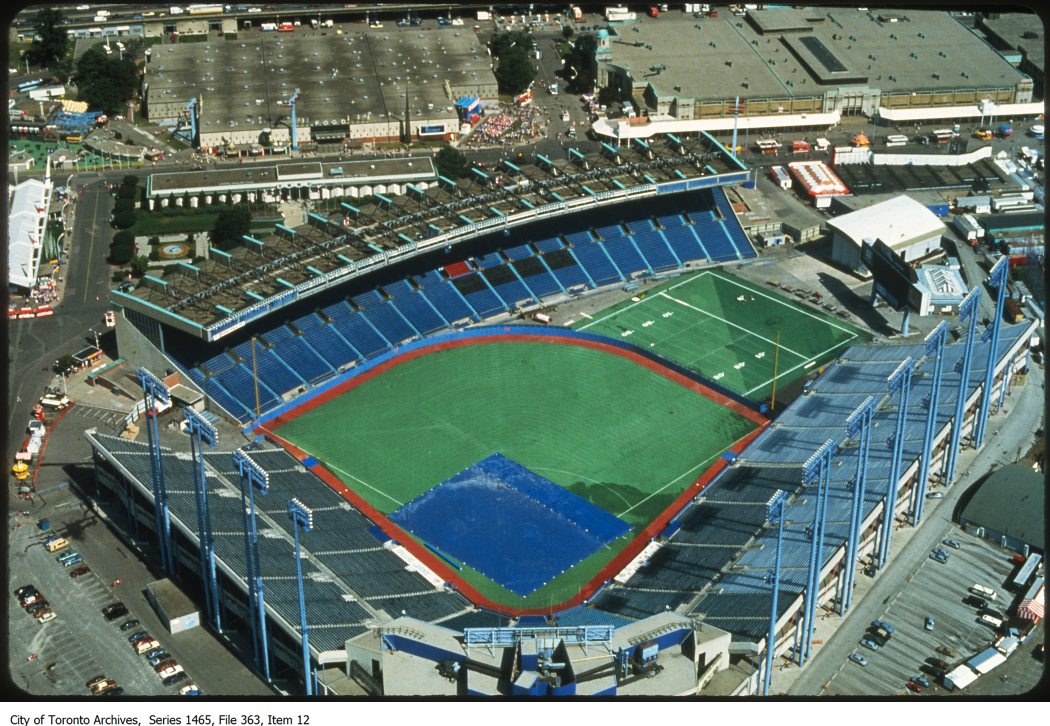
<point>515,527</point>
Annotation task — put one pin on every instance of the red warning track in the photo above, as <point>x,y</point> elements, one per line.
<point>644,537</point>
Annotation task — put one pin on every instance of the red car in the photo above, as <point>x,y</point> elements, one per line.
<point>78,571</point>
<point>163,666</point>
<point>913,686</point>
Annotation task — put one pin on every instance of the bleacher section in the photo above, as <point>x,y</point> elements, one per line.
<point>317,346</point>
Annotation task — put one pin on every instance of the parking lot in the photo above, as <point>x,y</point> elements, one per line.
<point>937,590</point>
<point>63,654</point>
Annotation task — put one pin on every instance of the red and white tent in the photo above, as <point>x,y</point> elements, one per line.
<point>1032,608</point>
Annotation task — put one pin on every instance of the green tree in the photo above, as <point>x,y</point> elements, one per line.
<point>106,83</point>
<point>120,254</point>
<point>503,42</point>
<point>451,163</point>
<point>567,32</point>
<point>233,223</point>
<point>514,72</point>
<point>139,265</point>
<point>66,364</point>
<point>580,64</point>
<point>124,218</point>
<point>130,181</point>
<point>50,49</point>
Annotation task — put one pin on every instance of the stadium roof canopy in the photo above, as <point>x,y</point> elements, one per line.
<point>25,231</point>
<point>898,222</point>
<point>1010,501</point>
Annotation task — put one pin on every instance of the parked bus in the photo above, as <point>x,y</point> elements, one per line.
<point>768,147</point>
<point>268,27</point>
<point>896,140</point>
<point>780,176</point>
<point>29,85</point>
<point>1020,580</point>
<point>942,136</point>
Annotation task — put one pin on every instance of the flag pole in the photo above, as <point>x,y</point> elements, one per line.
<point>776,360</point>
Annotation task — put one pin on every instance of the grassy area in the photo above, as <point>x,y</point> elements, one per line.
<point>617,434</point>
<point>149,224</point>
<point>727,329</point>
<point>14,55</point>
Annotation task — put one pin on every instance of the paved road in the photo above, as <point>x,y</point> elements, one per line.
<point>1007,436</point>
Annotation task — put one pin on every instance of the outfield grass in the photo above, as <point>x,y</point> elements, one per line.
<point>615,433</point>
<point>727,330</point>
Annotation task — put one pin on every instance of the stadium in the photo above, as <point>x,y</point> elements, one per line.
<point>419,490</point>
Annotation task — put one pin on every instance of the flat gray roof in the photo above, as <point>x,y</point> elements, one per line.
<point>353,78</point>
<point>1013,27</point>
<point>925,50</point>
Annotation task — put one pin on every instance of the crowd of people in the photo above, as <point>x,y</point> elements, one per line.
<point>508,127</point>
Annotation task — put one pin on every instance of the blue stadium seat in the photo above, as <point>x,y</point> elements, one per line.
<point>609,232</point>
<point>597,263</point>
<point>684,243</point>
<point>512,292</point>
<point>520,252</point>
<point>551,244</point>
<point>214,390</point>
<point>579,238</point>
<point>326,341</point>
<point>445,298</point>
<point>298,355</point>
<point>358,333</point>
<point>486,302</point>
<point>415,308</point>
<point>652,245</point>
<point>492,259</point>
<point>639,226</point>
<point>670,221</point>
<point>541,283</point>
<point>624,254</point>
<point>240,384</point>
<point>385,318</point>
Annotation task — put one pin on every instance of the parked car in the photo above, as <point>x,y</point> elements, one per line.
<point>877,638</point>
<point>144,646</point>
<point>114,612</point>
<point>38,605</point>
<point>111,692</point>
<point>65,556</point>
<point>882,624</point>
<point>157,656</point>
<point>190,689</point>
<point>139,635</point>
<point>129,624</point>
<point>991,621</point>
<point>938,663</point>
<point>175,678</point>
<point>973,601</point>
<point>25,590</point>
<point>913,686</point>
<point>935,495</point>
<point>922,681</point>
<point>44,615</point>
<point>94,680</point>
<point>74,560</point>
<point>947,651</point>
<point>78,571</point>
<point>930,622</point>
<point>168,672</point>
<point>938,557</point>
<point>858,658</point>
<point>167,664</point>
<point>953,544</point>
<point>31,598</point>
<point>869,644</point>
<point>993,612</point>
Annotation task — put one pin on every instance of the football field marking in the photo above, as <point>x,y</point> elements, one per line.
<point>807,364</point>
<point>799,309</point>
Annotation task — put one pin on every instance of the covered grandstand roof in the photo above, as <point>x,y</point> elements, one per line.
<point>27,221</point>
<point>1010,501</point>
<point>899,222</point>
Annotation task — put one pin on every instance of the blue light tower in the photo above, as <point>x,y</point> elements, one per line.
<point>254,476</point>
<point>934,346</point>
<point>898,382</point>
<point>996,280</point>
<point>858,424</point>
<point>774,514</point>
<point>817,467</point>
<point>295,127</point>
<point>203,433</point>
<point>302,517</point>
<point>153,390</point>
<point>967,312</point>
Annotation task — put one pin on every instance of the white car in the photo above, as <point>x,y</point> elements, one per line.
<point>188,688</point>
<point>168,672</point>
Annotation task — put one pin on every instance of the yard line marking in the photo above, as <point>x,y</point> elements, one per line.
<point>806,365</point>
<point>727,322</point>
<point>792,307</point>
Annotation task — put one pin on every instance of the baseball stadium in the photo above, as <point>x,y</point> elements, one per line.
<point>422,487</point>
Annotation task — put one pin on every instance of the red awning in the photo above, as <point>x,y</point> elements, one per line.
<point>1032,608</point>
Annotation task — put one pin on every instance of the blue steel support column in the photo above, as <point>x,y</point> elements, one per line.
<point>935,347</point>
<point>774,513</point>
<point>252,476</point>
<point>203,433</point>
<point>858,423</point>
<point>154,390</point>
<point>996,280</point>
<point>816,467</point>
<point>967,311</point>
<point>1007,372</point>
<point>899,382</point>
<point>302,517</point>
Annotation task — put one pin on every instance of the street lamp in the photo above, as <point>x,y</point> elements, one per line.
<point>302,516</point>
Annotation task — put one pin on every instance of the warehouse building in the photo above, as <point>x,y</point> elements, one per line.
<point>26,228</point>
<point>908,227</point>
<point>1007,509</point>
<point>797,62</point>
<point>362,86</point>
<point>1020,41</point>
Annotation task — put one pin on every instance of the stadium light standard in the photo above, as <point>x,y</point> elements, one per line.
<point>967,312</point>
<point>899,382</point>
<point>996,280</point>
<point>858,424</point>
<point>774,513</point>
<point>254,476</point>
<point>203,433</point>
<point>302,517</point>
<point>153,390</point>
<point>934,347</point>
<point>817,467</point>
